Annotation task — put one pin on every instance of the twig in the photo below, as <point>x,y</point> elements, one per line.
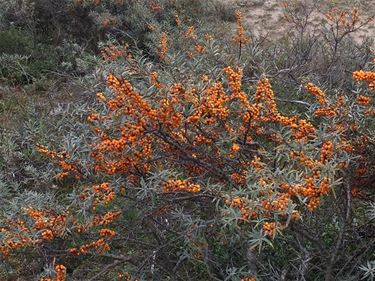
<point>105,269</point>
<point>295,101</point>
<point>328,273</point>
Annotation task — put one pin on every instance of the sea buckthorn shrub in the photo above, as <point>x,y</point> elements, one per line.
<point>54,29</point>
<point>329,61</point>
<point>25,180</point>
<point>88,21</point>
<point>191,167</point>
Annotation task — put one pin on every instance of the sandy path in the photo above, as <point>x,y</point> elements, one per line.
<point>266,16</point>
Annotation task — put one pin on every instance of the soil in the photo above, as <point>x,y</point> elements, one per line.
<point>266,17</point>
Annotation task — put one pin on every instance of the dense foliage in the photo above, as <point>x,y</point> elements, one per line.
<point>209,153</point>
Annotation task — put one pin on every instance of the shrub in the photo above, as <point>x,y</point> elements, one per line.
<point>194,169</point>
<point>46,33</point>
<point>13,42</point>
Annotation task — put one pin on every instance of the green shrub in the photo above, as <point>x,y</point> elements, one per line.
<point>14,42</point>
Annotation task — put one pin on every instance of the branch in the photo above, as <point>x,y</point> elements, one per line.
<point>328,273</point>
<point>310,238</point>
<point>105,269</point>
<point>295,101</point>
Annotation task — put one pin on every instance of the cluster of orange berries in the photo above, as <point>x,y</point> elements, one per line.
<point>125,93</point>
<point>190,33</point>
<point>214,102</point>
<point>15,235</point>
<point>48,223</point>
<point>368,76</point>
<point>363,100</point>
<point>105,232</point>
<point>234,149</point>
<point>154,7</point>
<point>163,46</point>
<point>326,151</point>
<point>199,48</point>
<point>240,37</point>
<point>241,203</point>
<point>93,117</point>
<point>265,93</point>
<point>343,18</point>
<point>45,218</point>
<point>125,276</point>
<point>313,192</point>
<point>238,178</point>
<point>234,77</point>
<point>271,228</point>
<point>323,109</point>
<point>47,235</point>
<point>181,185</point>
<point>301,129</point>
<point>201,139</point>
<point>113,52</point>
<point>313,203</point>
<point>328,112</point>
<point>98,220</point>
<point>307,190</point>
<point>304,159</point>
<point>63,160</point>
<point>317,92</point>
<point>155,80</point>
<point>107,218</point>
<point>104,194</point>
<point>279,204</point>
<point>100,245</point>
<point>168,113</point>
<point>132,136</point>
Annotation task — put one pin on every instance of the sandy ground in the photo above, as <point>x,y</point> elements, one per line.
<point>265,17</point>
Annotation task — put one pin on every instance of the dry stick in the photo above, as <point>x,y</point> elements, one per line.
<point>303,267</point>
<point>338,38</point>
<point>192,197</point>
<point>295,101</point>
<point>105,269</point>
